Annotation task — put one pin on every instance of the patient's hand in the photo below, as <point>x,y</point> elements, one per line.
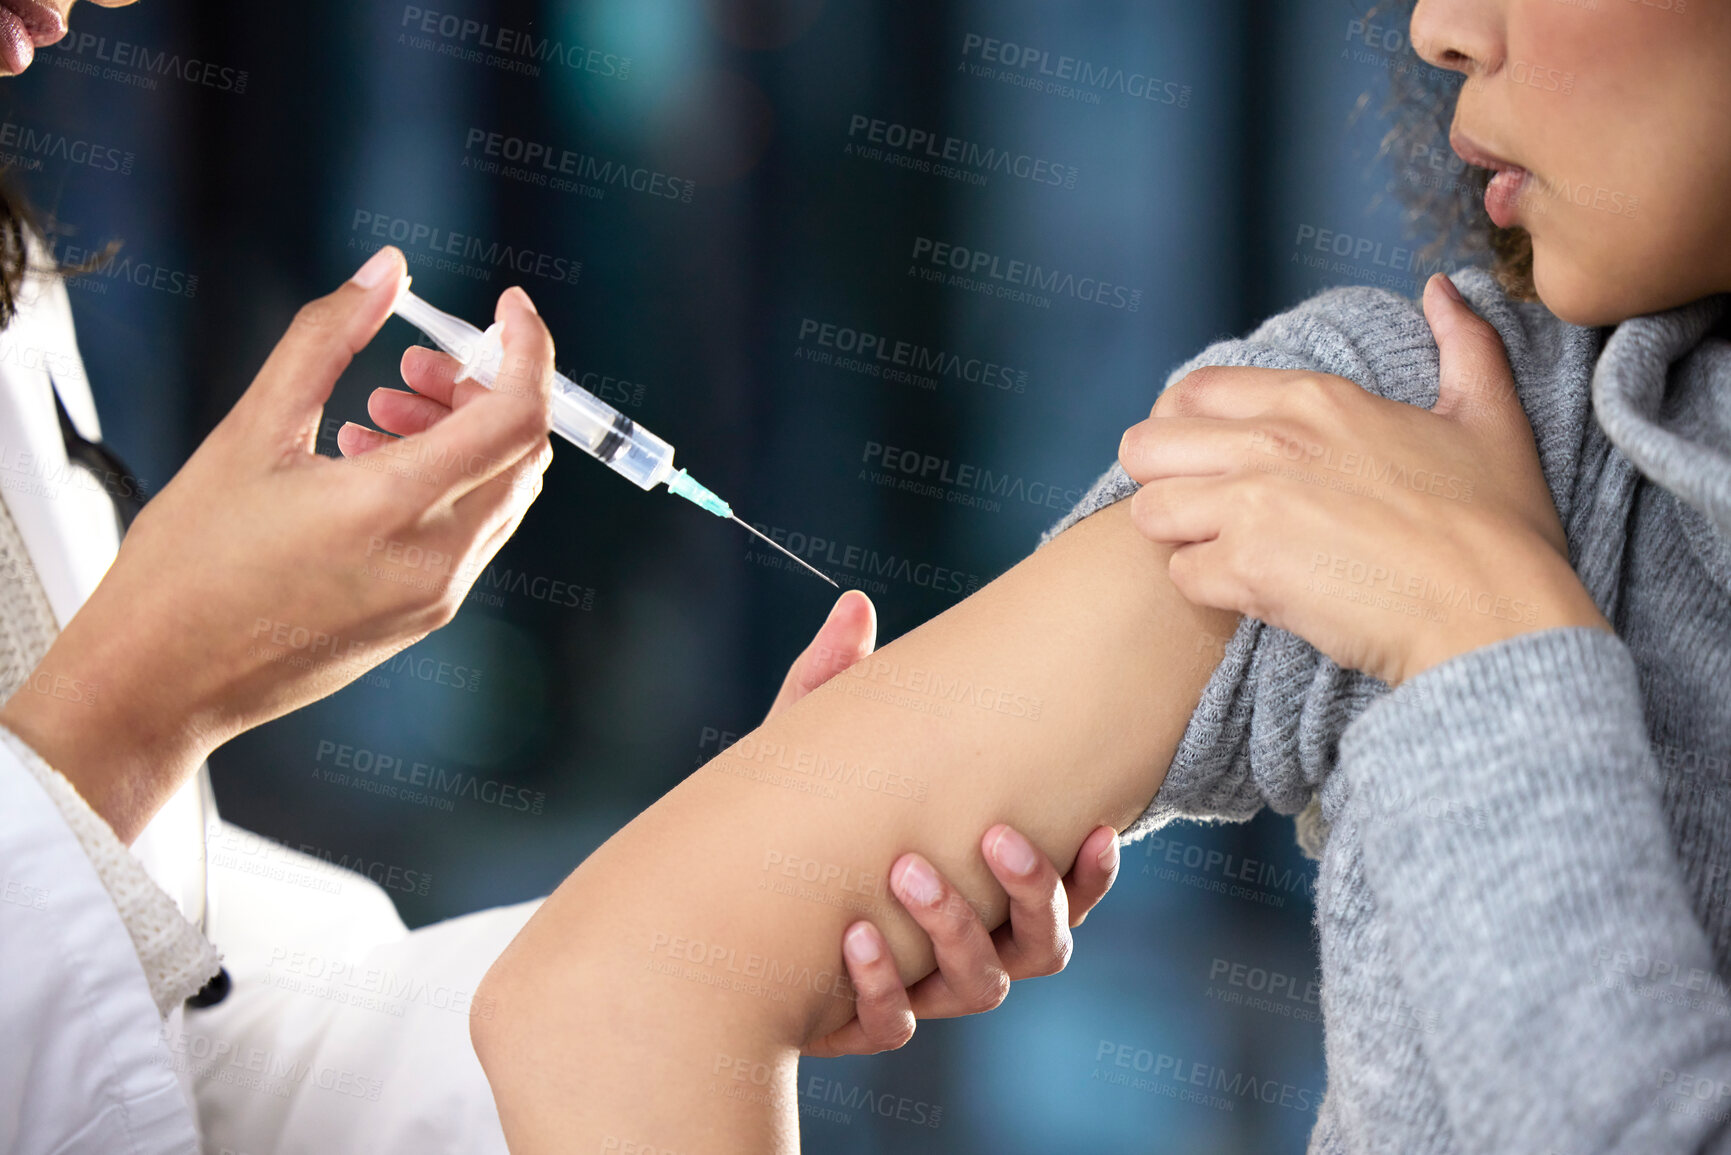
<point>975,966</point>
<point>1390,537</point>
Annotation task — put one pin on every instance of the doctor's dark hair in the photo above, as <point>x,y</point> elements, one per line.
<point>17,225</point>
<point>14,251</point>
<point>1446,205</point>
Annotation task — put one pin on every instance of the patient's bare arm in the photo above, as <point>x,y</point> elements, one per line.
<point>660,997</point>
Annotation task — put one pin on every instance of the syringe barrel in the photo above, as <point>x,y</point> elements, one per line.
<point>609,436</point>
<point>578,415</point>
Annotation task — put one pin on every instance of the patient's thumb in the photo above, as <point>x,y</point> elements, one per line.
<point>1476,383</point>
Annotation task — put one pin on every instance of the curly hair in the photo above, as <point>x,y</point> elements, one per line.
<point>1421,105</point>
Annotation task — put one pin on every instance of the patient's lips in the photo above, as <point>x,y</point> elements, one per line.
<point>25,26</point>
<point>1503,194</point>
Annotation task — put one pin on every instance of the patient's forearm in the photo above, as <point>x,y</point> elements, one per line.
<point>660,996</point>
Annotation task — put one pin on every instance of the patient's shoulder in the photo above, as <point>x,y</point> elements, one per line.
<point>1380,339</point>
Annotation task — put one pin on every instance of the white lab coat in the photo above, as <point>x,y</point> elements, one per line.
<point>343,1032</point>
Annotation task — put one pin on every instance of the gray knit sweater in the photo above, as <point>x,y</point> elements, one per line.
<point>1522,901</point>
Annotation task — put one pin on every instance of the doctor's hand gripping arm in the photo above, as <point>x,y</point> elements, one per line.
<point>663,994</point>
<point>975,965</point>
<point>262,578</point>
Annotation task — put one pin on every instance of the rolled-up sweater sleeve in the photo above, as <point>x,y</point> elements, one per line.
<point>1519,852</point>
<point>1273,709</point>
<point>1268,726</point>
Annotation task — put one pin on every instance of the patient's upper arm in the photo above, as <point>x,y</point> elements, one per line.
<point>1052,699</point>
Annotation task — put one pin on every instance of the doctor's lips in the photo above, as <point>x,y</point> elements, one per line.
<point>25,26</point>
<point>1502,196</point>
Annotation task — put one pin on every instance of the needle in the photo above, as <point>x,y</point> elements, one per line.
<point>793,555</point>
<point>579,416</point>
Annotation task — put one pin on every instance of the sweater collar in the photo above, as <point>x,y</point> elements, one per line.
<point>1653,388</point>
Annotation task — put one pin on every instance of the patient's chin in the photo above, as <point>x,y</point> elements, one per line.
<point>1575,295</point>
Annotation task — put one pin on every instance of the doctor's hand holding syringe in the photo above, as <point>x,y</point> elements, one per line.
<point>239,592</point>
<point>251,586</point>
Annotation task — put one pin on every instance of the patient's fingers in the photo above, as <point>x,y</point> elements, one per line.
<point>847,635</point>
<point>883,1020</point>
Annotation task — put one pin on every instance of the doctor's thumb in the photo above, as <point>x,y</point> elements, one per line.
<point>297,379</point>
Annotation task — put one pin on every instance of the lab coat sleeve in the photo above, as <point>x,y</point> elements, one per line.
<point>176,958</point>
<point>344,1031</point>
<point>81,1068</point>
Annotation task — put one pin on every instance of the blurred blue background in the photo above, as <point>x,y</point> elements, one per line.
<point>621,635</point>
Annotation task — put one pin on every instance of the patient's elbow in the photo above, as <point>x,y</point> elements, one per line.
<point>497,1018</point>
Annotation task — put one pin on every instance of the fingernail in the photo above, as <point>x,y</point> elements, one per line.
<point>1108,857</point>
<point>860,945</point>
<point>918,883</point>
<point>528,302</point>
<point>379,266</point>
<point>835,612</point>
<point>1013,852</point>
<point>1448,287</point>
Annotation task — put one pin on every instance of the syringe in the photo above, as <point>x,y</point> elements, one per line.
<point>578,415</point>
